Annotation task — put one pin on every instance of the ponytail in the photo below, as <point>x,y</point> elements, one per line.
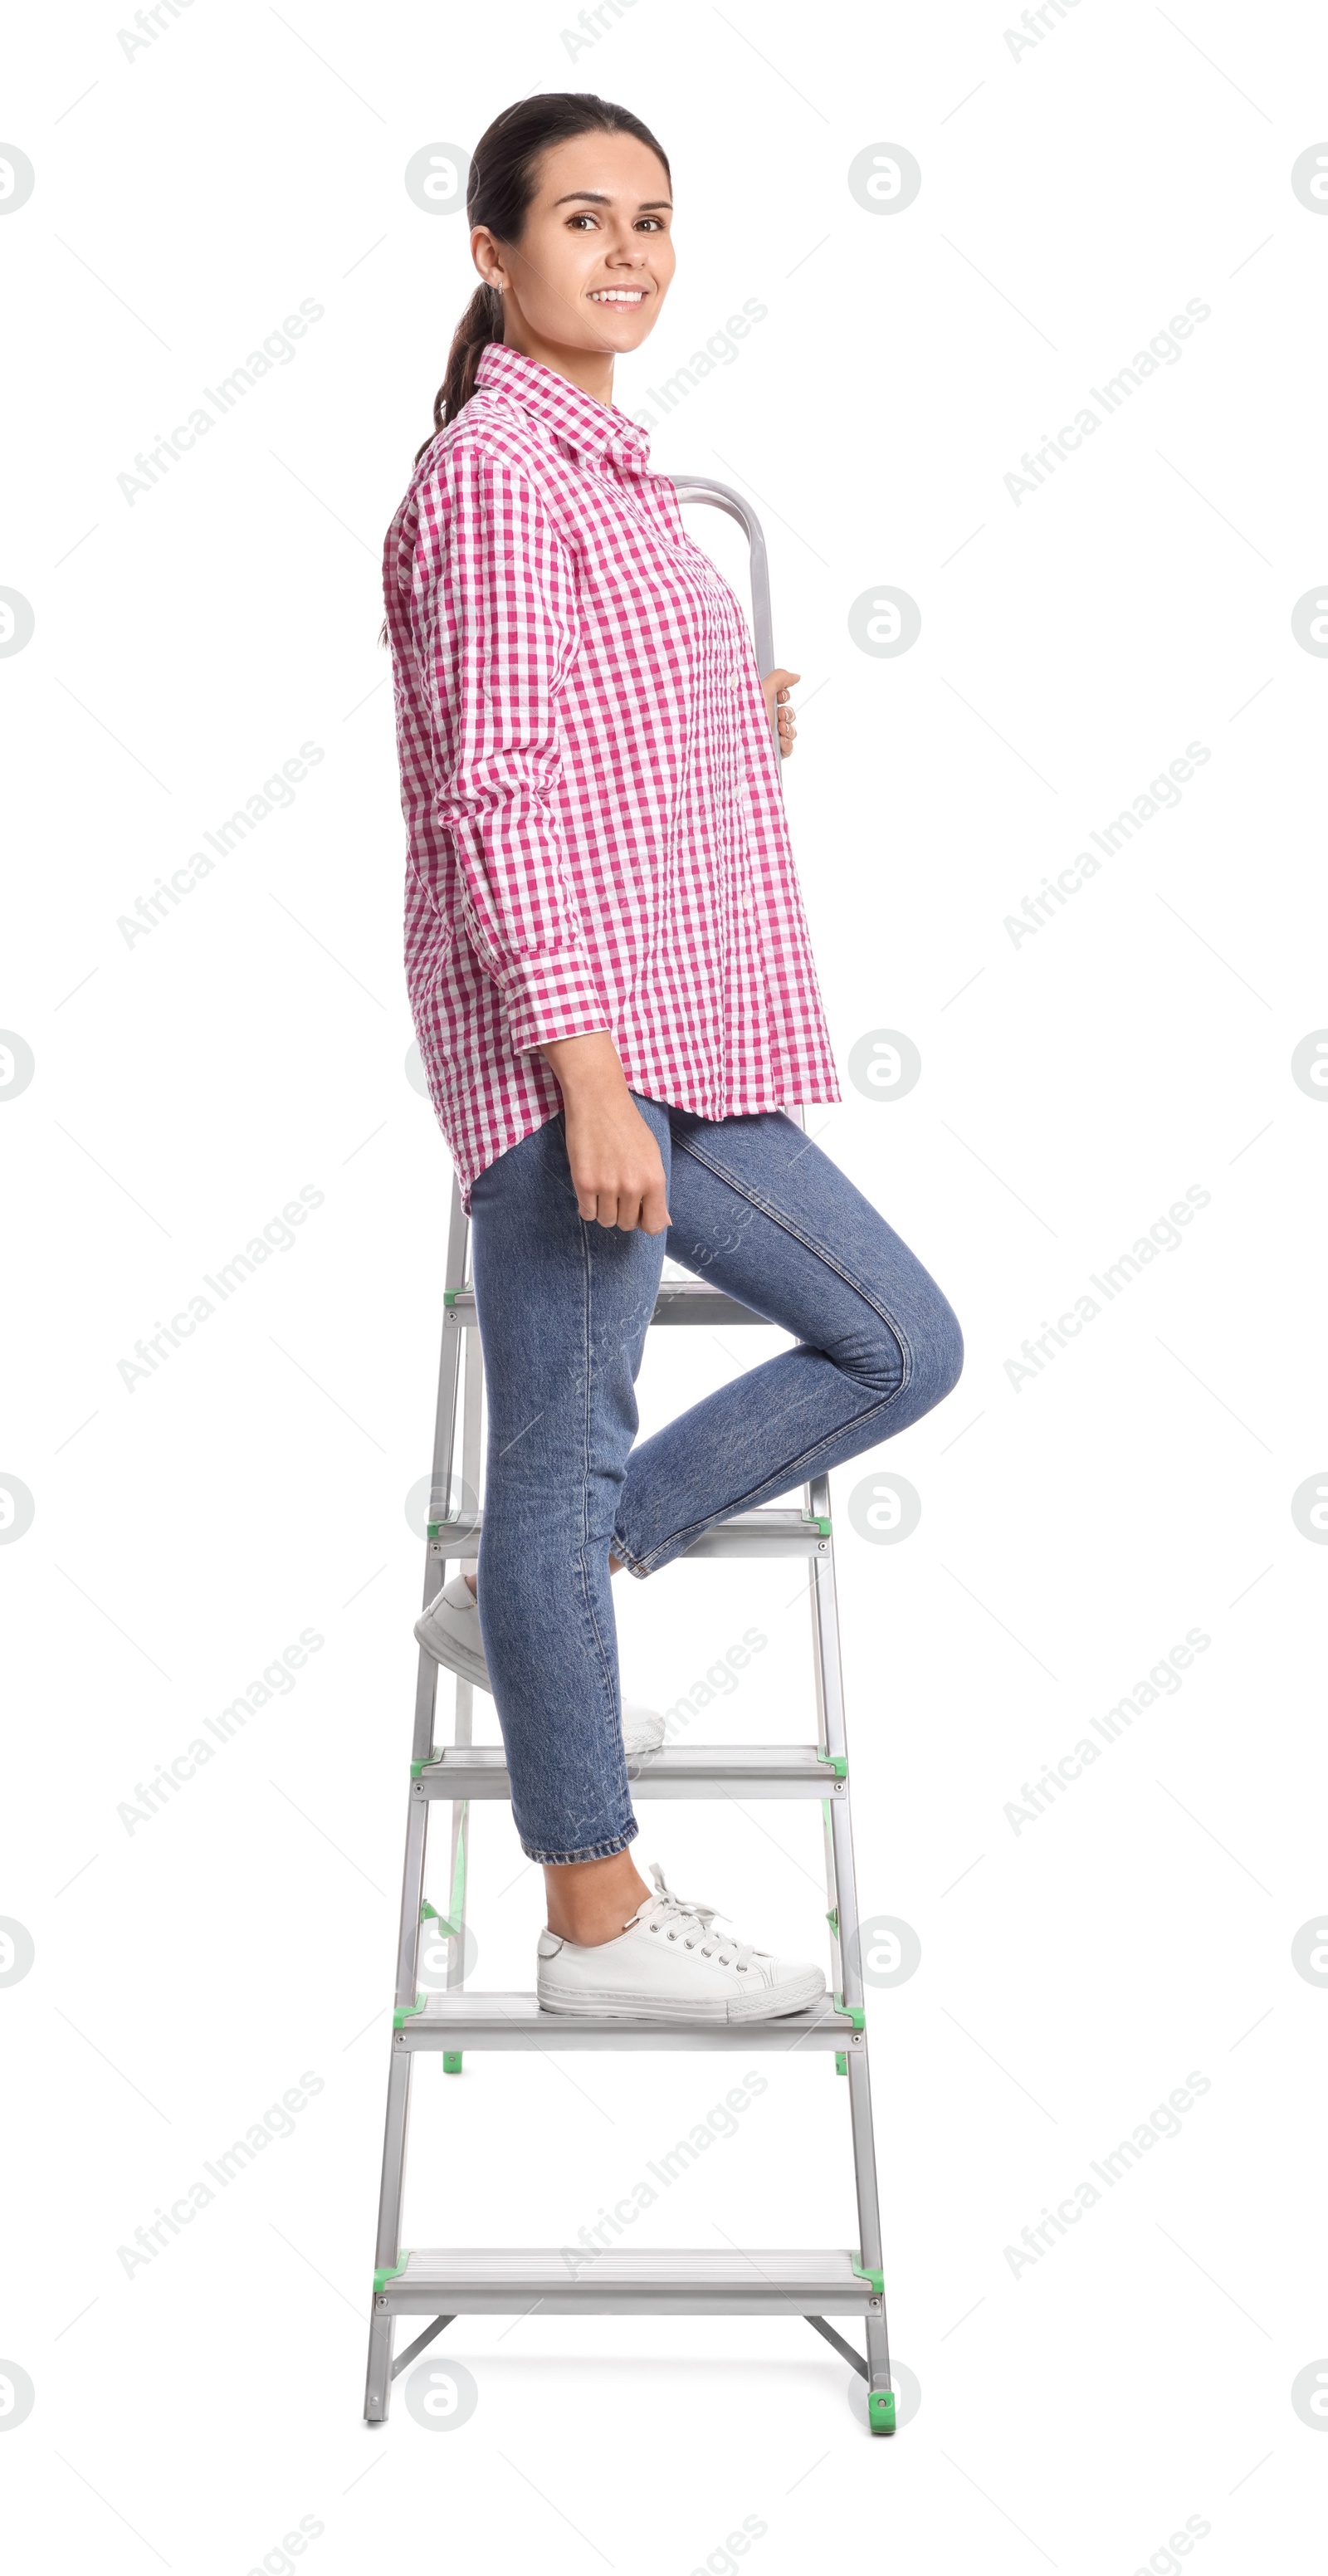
<point>480,325</point>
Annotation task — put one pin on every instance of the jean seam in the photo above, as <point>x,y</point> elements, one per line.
<point>589,1268</point>
<point>697,1529</point>
<point>809,1244</point>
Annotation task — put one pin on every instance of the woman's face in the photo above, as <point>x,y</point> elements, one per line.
<point>596,259</point>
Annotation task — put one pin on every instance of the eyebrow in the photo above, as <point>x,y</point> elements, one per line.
<point>596,197</point>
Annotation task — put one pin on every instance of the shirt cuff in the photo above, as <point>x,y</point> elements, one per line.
<point>554,997</point>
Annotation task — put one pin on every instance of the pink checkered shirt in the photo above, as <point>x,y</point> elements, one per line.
<point>595,821</point>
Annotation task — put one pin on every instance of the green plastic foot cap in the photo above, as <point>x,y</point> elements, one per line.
<point>451,2061</point>
<point>881,2409</point>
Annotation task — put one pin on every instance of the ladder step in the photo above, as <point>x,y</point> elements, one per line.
<point>772,1531</point>
<point>675,1771</point>
<point>680,1301</point>
<point>500,2281</point>
<point>462,2019</point>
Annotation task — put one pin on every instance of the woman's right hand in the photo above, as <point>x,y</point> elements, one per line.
<point>617,1170</point>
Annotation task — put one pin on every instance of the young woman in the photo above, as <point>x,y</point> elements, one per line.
<point>614,994</point>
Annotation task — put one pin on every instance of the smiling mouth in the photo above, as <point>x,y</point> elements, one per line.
<point>627,295</point>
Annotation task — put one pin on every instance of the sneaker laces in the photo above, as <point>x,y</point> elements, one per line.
<point>682,1918</point>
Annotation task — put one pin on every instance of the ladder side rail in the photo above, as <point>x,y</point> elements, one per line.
<point>445,1410</point>
<point>440,1472</point>
<point>397,2123</point>
<point>823,1603</point>
<point>864,2156</point>
<point>472,1398</point>
<point>387,2243</point>
<point>412,1899</point>
<point>825,1631</point>
<point>721,496</point>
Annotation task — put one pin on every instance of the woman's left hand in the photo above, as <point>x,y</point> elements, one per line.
<point>776,685</point>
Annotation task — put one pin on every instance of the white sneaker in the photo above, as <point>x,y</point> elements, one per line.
<point>449,1630</point>
<point>669,1964</point>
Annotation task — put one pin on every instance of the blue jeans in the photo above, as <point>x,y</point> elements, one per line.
<point>563,1305</point>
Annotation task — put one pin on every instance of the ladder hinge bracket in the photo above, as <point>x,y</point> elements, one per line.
<point>404,2012</point>
<point>381,2278</point>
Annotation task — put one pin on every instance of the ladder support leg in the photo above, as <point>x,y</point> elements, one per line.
<point>860,2113</point>
<point>456,1886</point>
<point>379,2378</point>
<point>378,2385</point>
<point>859,2091</point>
<point>880,2396</point>
<point>426,1685</point>
<point>412,1897</point>
<point>388,2245</point>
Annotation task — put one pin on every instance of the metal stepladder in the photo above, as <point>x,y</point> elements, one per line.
<point>641,2282</point>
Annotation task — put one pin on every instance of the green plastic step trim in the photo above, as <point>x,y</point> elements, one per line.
<point>877,2280</point>
<point>449,1296</point>
<point>851,2012</point>
<point>841,2061</point>
<point>838,1763</point>
<point>881,2409</point>
<point>381,2279</point>
<point>823,1526</point>
<point>404,2012</point>
<point>451,2061</point>
<point>832,1919</point>
<point>426,1765</point>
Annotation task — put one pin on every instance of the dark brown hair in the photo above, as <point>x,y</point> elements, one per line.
<point>504,176</point>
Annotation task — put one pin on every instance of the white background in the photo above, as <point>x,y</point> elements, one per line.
<point>1073,2414</point>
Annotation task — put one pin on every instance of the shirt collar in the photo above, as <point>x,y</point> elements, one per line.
<point>593,429</point>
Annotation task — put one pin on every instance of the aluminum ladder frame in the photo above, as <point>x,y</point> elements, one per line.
<point>503,2281</point>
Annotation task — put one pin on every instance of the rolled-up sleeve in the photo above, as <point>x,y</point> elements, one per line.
<point>496,624</point>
